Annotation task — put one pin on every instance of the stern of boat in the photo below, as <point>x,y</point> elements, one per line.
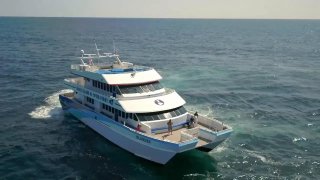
<point>207,132</point>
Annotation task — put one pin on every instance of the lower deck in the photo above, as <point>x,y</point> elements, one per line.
<point>176,135</point>
<point>203,129</point>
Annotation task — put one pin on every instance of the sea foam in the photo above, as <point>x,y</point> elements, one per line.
<point>51,107</point>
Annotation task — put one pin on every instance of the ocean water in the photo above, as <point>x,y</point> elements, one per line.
<point>262,77</point>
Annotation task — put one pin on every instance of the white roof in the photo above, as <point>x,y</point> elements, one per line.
<point>153,104</point>
<point>132,77</point>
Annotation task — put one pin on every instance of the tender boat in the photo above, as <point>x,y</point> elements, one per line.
<point>127,104</point>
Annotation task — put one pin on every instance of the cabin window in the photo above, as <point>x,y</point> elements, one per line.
<point>161,114</point>
<point>177,112</point>
<point>173,114</point>
<point>107,87</point>
<point>140,88</point>
<point>142,117</point>
<point>135,117</point>
<point>90,100</point>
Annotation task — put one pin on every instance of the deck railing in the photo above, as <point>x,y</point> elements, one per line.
<point>185,136</point>
<point>209,123</point>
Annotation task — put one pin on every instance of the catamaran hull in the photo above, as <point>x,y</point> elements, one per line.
<point>135,142</point>
<point>138,143</point>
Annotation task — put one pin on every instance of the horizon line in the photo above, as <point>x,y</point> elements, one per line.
<point>178,18</point>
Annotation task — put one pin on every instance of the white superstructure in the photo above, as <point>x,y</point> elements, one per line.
<point>127,104</point>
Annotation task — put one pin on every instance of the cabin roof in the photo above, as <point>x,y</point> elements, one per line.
<point>132,77</point>
<point>152,104</point>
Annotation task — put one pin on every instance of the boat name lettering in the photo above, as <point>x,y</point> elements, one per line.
<point>143,139</point>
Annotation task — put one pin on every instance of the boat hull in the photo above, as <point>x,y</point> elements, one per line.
<point>133,141</point>
<point>140,144</point>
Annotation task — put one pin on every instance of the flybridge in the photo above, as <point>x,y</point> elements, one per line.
<point>94,66</point>
<point>100,62</point>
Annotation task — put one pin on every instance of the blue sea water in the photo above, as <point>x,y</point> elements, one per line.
<point>262,77</point>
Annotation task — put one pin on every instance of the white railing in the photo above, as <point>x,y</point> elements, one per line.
<point>146,128</point>
<point>189,134</point>
<point>80,67</point>
<point>160,126</point>
<point>212,124</point>
<point>207,134</point>
<point>185,136</point>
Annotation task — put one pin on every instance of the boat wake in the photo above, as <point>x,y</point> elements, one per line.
<point>51,107</point>
<point>262,158</point>
<point>219,149</point>
<point>204,109</point>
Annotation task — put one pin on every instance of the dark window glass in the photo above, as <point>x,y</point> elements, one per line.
<point>117,90</point>
<point>140,88</point>
<point>173,114</point>
<point>155,117</point>
<point>161,116</point>
<point>148,117</point>
<point>182,110</point>
<point>145,88</point>
<point>124,90</point>
<point>177,112</point>
<point>157,85</point>
<point>151,88</point>
<point>141,117</point>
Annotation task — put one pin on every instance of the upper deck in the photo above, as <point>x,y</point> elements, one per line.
<point>117,73</point>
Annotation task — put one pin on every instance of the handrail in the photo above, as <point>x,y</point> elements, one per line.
<point>185,136</point>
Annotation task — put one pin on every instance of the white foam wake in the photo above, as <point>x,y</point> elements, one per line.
<point>50,108</point>
<point>262,158</point>
<point>203,109</point>
<point>219,149</point>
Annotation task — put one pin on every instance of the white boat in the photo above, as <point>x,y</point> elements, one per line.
<point>127,105</point>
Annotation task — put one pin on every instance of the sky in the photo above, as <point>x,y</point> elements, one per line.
<point>229,9</point>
